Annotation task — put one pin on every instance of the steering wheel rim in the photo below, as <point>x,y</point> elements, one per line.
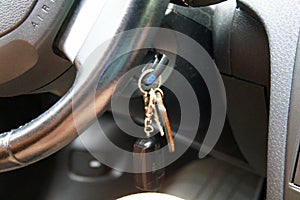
<point>56,128</point>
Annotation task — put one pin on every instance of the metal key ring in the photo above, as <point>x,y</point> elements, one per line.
<point>142,77</point>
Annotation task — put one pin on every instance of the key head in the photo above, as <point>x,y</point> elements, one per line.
<point>151,168</point>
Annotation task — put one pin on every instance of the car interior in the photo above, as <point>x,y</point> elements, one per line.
<point>222,88</point>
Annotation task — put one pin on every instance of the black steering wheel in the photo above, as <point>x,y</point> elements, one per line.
<point>30,30</point>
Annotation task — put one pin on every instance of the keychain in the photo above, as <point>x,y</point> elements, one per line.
<point>155,112</point>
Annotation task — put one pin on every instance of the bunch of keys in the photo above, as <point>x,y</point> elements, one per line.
<point>155,109</point>
<point>149,84</point>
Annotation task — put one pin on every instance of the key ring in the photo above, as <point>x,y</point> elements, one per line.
<point>142,77</point>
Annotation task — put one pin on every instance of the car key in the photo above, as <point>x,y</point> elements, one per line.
<point>149,167</point>
<point>163,117</point>
<point>154,106</point>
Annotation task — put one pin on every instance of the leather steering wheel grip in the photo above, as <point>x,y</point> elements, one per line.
<point>56,127</point>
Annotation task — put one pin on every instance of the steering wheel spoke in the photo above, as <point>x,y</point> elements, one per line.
<point>57,127</point>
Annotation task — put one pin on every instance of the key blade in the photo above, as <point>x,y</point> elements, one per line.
<point>159,126</point>
<point>162,112</point>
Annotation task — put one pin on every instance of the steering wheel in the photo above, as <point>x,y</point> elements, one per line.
<point>30,30</point>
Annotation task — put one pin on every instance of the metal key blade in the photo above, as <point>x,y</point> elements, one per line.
<point>154,112</point>
<point>163,116</point>
<point>157,121</point>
